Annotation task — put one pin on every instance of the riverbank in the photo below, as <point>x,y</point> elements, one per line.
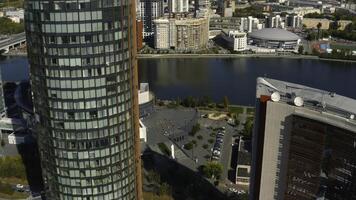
<point>296,56</point>
<point>147,56</point>
<point>155,56</point>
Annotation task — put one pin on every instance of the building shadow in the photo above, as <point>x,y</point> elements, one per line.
<point>185,183</point>
<point>31,160</point>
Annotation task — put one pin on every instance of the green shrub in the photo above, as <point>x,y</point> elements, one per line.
<point>188,146</point>
<point>163,147</point>
<point>211,141</point>
<point>200,137</point>
<point>205,146</point>
<point>6,188</point>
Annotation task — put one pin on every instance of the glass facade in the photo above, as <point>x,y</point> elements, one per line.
<point>321,163</point>
<point>82,72</point>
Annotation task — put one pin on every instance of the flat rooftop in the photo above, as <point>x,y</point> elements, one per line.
<point>324,102</point>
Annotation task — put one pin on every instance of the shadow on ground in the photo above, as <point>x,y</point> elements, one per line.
<point>185,183</point>
<point>31,159</point>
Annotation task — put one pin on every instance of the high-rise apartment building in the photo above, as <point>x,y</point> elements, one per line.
<point>82,56</point>
<point>147,11</point>
<point>179,6</point>
<point>181,33</point>
<point>304,143</point>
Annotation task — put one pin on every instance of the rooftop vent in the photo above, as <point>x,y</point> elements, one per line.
<point>298,101</point>
<point>275,96</point>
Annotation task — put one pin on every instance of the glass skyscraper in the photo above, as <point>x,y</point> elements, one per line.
<point>82,55</point>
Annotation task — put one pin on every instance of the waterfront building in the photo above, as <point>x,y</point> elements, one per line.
<point>83,66</point>
<point>304,143</point>
<point>274,38</point>
<point>181,33</point>
<point>147,12</point>
<point>312,23</point>
<point>235,40</point>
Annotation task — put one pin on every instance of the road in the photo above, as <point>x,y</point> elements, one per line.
<point>226,154</point>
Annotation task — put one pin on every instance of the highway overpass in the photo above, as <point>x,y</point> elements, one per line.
<point>12,42</point>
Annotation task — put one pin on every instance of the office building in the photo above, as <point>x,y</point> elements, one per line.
<point>82,57</point>
<point>235,40</point>
<point>304,143</point>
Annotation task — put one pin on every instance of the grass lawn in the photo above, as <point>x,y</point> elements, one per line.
<point>15,195</point>
<point>251,111</point>
<point>13,180</point>
<point>236,109</point>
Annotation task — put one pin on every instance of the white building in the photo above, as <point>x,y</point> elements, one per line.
<point>274,21</point>
<point>304,10</point>
<point>181,33</point>
<point>236,40</point>
<point>294,21</point>
<point>143,132</point>
<point>249,24</point>
<point>161,33</point>
<point>18,13</point>
<point>179,6</point>
<point>17,138</point>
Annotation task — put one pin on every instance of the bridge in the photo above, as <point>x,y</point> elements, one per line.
<point>12,42</point>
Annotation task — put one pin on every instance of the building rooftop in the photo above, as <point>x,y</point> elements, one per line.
<point>275,34</point>
<point>326,104</point>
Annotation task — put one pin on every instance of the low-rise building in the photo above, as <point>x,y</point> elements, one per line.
<point>18,13</point>
<point>274,38</point>
<point>235,40</point>
<point>313,23</point>
<point>304,10</point>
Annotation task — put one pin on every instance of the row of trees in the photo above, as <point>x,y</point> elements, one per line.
<point>9,27</point>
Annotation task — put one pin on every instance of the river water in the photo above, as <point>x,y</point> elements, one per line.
<point>170,78</point>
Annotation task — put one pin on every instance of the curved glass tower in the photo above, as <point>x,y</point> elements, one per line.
<point>82,55</point>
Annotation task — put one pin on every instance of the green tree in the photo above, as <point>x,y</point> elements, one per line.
<point>226,102</point>
<point>318,26</point>
<point>9,27</point>
<point>164,189</point>
<point>189,146</point>
<point>2,143</point>
<point>195,129</point>
<point>248,128</point>
<point>212,170</point>
<point>300,49</point>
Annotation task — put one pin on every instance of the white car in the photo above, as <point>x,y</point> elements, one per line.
<point>19,186</point>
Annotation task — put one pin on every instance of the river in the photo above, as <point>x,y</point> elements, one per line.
<point>170,78</point>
